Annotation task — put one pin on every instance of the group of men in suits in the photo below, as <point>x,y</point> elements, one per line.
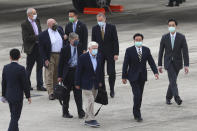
<point>66,59</point>
<point>174,47</point>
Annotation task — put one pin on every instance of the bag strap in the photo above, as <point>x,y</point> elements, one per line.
<point>98,111</point>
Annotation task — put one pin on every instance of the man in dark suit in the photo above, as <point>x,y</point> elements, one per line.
<point>134,69</point>
<point>105,35</point>
<point>89,79</point>
<point>30,30</point>
<point>66,73</point>
<point>14,84</point>
<point>175,47</point>
<point>177,3</point>
<point>51,42</point>
<point>78,27</point>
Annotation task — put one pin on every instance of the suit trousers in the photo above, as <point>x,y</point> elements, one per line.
<point>110,70</point>
<point>172,88</point>
<point>89,98</point>
<point>35,57</point>
<point>51,73</point>
<point>15,110</point>
<point>137,89</point>
<point>69,82</point>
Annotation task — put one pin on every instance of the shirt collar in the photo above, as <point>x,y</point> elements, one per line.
<point>91,56</point>
<point>30,20</point>
<point>50,30</point>
<point>76,22</point>
<point>173,35</point>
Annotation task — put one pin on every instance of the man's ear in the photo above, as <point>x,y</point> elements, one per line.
<point>10,58</point>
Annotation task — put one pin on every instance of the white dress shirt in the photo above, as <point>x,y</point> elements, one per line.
<point>56,40</point>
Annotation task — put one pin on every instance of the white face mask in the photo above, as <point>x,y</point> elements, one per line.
<point>34,17</point>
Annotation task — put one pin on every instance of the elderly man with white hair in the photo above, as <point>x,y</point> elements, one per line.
<point>30,30</point>
<point>89,79</point>
<point>51,41</point>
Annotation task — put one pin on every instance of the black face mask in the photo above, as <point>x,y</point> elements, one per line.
<point>54,27</point>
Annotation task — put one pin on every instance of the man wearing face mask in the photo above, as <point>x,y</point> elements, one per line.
<point>105,35</point>
<point>176,50</point>
<point>66,74</point>
<point>89,79</point>
<point>51,41</point>
<point>134,69</point>
<point>30,30</point>
<point>78,27</point>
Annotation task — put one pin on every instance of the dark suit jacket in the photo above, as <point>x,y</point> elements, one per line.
<point>14,82</point>
<point>28,35</point>
<point>65,56</point>
<point>45,43</point>
<point>110,44</point>
<point>177,54</point>
<point>132,67</point>
<point>82,31</point>
<point>85,76</point>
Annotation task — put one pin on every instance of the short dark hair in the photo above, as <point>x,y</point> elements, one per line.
<point>173,20</point>
<point>138,34</point>
<point>15,54</point>
<point>73,11</point>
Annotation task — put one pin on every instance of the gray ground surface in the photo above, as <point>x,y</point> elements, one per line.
<point>146,16</point>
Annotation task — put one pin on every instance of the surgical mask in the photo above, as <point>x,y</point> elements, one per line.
<point>171,29</point>
<point>71,19</point>
<point>34,17</point>
<point>54,27</point>
<point>94,52</point>
<point>101,23</point>
<point>76,42</point>
<point>138,43</point>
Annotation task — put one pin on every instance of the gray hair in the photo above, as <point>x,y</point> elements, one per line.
<point>30,10</point>
<point>72,36</point>
<point>92,43</point>
<point>101,15</point>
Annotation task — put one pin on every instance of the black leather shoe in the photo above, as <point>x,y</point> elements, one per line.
<point>168,102</point>
<point>178,101</point>
<point>138,119</point>
<point>112,94</point>
<point>170,5</point>
<point>51,97</point>
<point>41,88</point>
<point>67,115</point>
<point>177,4</point>
<point>81,115</point>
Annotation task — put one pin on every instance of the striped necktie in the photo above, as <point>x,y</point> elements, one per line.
<point>102,32</point>
<point>139,55</point>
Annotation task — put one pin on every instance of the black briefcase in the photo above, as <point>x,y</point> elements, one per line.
<point>59,91</point>
<point>102,97</point>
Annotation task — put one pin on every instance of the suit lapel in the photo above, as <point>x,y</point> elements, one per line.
<point>30,26</point>
<point>90,62</point>
<point>169,41</point>
<point>176,41</point>
<point>136,54</point>
<point>106,30</point>
<point>78,26</point>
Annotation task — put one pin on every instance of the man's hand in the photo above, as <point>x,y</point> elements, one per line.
<point>29,100</point>
<point>100,84</point>
<point>156,76</point>
<point>186,70</point>
<point>77,87</point>
<point>160,69</point>
<point>3,99</point>
<point>115,57</point>
<point>84,51</point>
<point>65,37</point>
<point>124,81</point>
<point>59,79</point>
<point>47,63</point>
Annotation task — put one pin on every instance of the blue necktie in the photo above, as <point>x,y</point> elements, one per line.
<point>172,41</point>
<point>74,27</point>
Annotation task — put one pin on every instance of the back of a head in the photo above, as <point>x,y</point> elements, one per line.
<point>15,54</point>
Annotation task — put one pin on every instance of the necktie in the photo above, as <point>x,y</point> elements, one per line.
<point>74,52</point>
<point>172,41</point>
<point>102,32</point>
<point>140,55</point>
<point>74,27</point>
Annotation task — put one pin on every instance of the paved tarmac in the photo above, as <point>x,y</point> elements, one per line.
<point>146,16</point>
